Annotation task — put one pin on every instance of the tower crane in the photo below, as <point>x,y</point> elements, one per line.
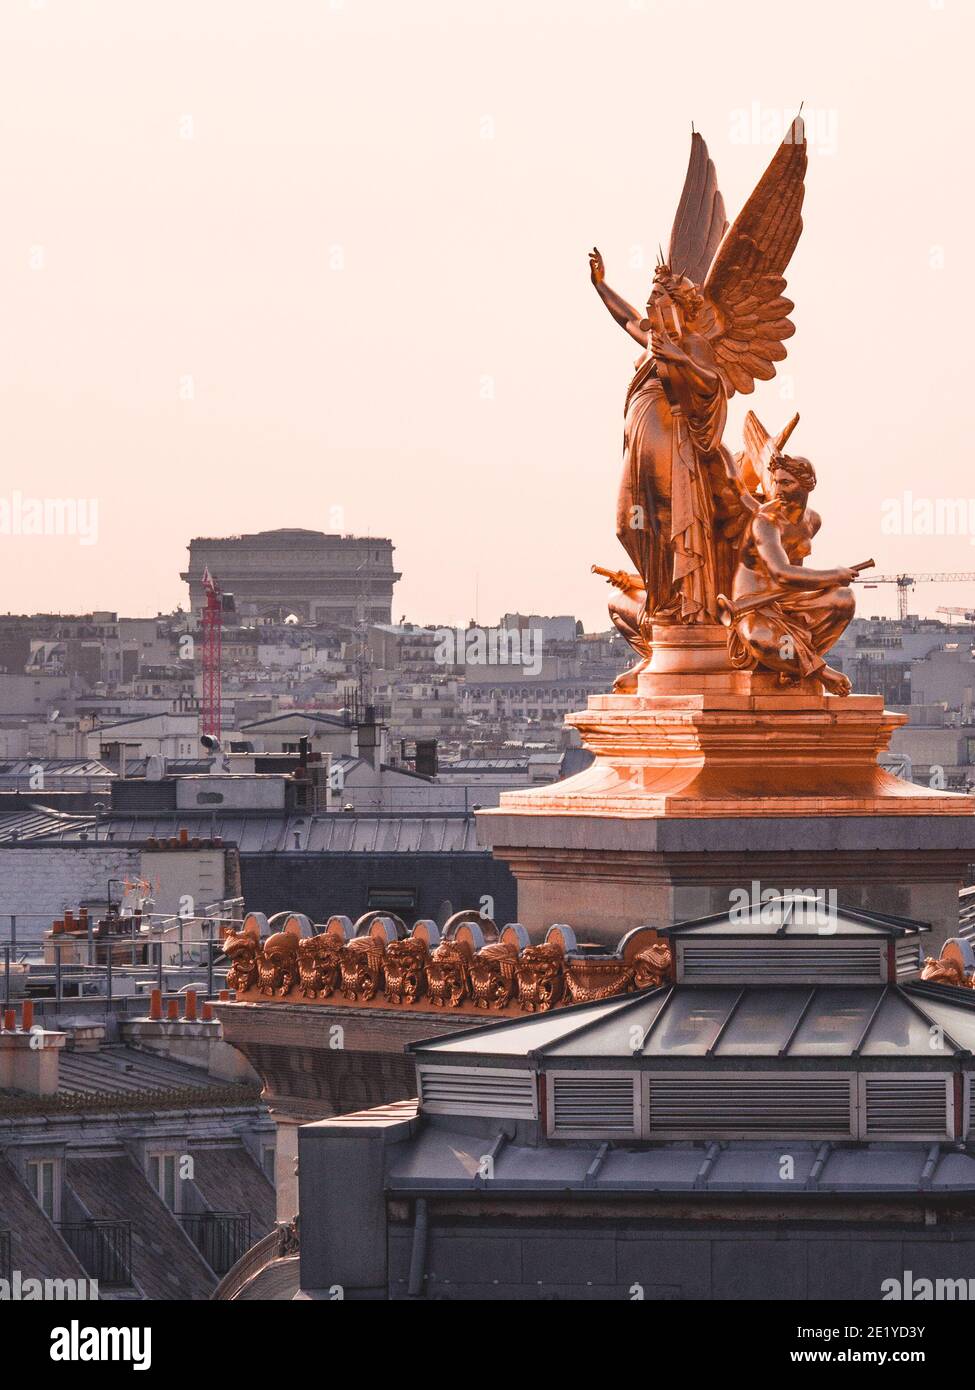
<point>905,583</point>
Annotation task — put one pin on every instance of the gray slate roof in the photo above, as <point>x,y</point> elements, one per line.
<point>120,1070</point>
<point>441,1159</point>
<point>730,1021</point>
<point>336,833</point>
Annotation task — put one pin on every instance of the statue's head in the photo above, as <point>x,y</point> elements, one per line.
<point>793,479</point>
<point>677,290</point>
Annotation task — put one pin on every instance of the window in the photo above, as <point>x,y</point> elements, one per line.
<point>267,1158</point>
<point>391,899</point>
<point>163,1169</point>
<point>41,1180</point>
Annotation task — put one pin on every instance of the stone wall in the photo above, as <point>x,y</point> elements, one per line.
<point>40,882</point>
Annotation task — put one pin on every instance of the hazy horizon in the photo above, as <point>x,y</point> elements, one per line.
<point>307,263</point>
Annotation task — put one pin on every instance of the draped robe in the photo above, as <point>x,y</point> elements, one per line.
<point>665,509</point>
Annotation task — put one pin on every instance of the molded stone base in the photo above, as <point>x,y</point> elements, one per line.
<point>733,744</point>
<point>705,783</point>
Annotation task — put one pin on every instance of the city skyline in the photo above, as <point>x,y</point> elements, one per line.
<point>228,314</point>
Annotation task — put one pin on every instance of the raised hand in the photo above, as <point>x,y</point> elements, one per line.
<point>597,270</point>
<point>665,349</point>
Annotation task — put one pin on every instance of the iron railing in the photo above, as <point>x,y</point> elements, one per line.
<point>221,1237</point>
<point>103,1248</point>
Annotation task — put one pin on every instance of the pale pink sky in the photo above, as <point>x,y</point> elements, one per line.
<point>381,216</point>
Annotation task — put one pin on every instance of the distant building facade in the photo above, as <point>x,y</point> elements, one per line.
<point>321,578</point>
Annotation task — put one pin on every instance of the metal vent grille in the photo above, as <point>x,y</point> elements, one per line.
<point>757,962</point>
<point>487,1091</point>
<point>906,1107</point>
<point>908,956</point>
<point>594,1103</point>
<point>738,1106</point>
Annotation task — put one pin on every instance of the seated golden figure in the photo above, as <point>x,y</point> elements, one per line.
<point>803,611</point>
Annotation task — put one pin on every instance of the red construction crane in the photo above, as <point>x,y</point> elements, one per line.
<point>905,583</point>
<point>217,603</point>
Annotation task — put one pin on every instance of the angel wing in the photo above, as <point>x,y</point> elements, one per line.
<point>700,221</point>
<point>740,492</point>
<point>761,449</point>
<point>743,289</point>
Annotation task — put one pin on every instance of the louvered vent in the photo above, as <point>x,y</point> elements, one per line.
<point>486,1091</point>
<point>970,1111</point>
<point>781,961</point>
<point>905,1107</point>
<point>588,1103</point>
<point>728,1106</point>
<point>908,957</point>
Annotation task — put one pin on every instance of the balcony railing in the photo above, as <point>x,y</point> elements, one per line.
<point>103,1248</point>
<point>221,1237</point>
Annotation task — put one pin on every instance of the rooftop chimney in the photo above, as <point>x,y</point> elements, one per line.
<point>425,760</point>
<point>370,738</point>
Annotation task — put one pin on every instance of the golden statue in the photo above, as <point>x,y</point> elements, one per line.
<point>781,616</point>
<point>696,522</point>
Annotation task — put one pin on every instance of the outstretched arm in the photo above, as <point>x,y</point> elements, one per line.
<point>781,569</point>
<point>625,315</point>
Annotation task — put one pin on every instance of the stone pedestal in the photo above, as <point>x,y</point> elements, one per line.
<point>705,783</point>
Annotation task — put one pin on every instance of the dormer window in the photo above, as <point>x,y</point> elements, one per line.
<point>42,1176</point>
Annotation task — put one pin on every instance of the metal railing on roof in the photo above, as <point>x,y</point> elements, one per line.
<point>103,1248</point>
<point>221,1237</point>
<point>128,963</point>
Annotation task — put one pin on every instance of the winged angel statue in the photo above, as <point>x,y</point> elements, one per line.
<point>697,522</point>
